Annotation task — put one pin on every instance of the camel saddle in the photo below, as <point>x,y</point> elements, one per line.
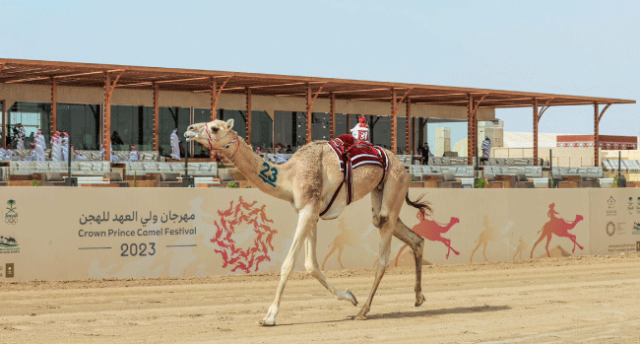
<point>353,153</point>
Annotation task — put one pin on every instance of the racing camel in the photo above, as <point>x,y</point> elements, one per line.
<point>309,181</point>
<point>559,227</point>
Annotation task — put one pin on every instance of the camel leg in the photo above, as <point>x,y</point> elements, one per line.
<point>484,251</point>
<point>416,243</point>
<point>451,248</point>
<point>536,244</point>
<point>340,250</point>
<point>306,220</point>
<point>385,250</point>
<point>311,265</point>
<point>392,200</point>
<point>400,252</point>
<point>333,249</point>
<point>474,251</point>
<point>406,235</point>
<point>546,247</point>
<point>573,238</point>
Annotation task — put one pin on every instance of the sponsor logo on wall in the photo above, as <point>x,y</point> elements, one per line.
<point>630,206</point>
<point>637,245</point>
<point>611,206</point>
<point>8,245</point>
<point>11,216</point>
<point>250,215</point>
<point>10,270</point>
<point>636,228</point>
<point>611,228</point>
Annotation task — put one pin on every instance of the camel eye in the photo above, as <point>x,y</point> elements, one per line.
<point>215,129</point>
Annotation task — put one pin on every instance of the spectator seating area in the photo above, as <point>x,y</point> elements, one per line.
<point>139,169</point>
<point>528,171</point>
<point>628,166</point>
<point>92,155</point>
<point>514,162</point>
<point>420,171</point>
<point>593,172</point>
<point>84,168</point>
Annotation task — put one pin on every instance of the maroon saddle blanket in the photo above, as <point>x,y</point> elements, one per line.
<point>353,153</point>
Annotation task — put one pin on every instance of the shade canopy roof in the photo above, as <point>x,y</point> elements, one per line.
<point>17,71</point>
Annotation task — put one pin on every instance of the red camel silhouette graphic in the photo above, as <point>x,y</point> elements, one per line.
<point>256,218</point>
<point>559,227</point>
<point>431,230</point>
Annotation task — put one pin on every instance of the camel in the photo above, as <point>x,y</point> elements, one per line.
<point>559,227</point>
<point>309,181</point>
<point>431,230</point>
<point>520,248</point>
<point>490,233</point>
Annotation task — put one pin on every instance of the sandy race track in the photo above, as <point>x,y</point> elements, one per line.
<point>555,300</point>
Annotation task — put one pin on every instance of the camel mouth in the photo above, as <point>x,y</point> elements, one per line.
<point>190,136</point>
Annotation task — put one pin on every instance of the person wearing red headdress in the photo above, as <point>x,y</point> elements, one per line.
<point>361,130</point>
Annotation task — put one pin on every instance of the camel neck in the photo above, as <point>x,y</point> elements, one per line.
<point>269,178</point>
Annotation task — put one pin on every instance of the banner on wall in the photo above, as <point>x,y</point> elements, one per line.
<point>616,220</point>
<point>76,233</point>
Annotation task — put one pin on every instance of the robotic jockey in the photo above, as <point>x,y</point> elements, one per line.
<point>361,130</point>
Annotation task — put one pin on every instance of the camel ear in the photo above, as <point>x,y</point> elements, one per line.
<point>229,124</point>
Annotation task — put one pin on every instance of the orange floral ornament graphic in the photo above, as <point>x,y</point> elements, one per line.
<point>245,214</point>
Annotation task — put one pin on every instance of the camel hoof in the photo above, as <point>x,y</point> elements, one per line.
<point>420,300</point>
<point>360,317</point>
<point>354,301</point>
<point>265,323</point>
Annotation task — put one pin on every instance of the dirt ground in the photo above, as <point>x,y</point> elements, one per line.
<point>554,300</point>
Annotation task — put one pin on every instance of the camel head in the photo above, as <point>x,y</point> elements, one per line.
<point>215,134</point>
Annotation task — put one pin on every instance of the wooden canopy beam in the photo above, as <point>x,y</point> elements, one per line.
<point>215,95</point>
<point>472,126</point>
<point>409,142</point>
<point>151,83</point>
<point>332,116</point>
<point>537,114</point>
<point>156,117</point>
<point>4,128</point>
<point>109,87</point>
<point>54,107</point>
<point>18,80</point>
<point>597,117</point>
<point>395,106</point>
<point>248,120</point>
<point>311,99</point>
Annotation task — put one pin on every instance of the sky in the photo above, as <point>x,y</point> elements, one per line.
<point>589,48</point>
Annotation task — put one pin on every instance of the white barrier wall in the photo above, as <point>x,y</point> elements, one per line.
<point>76,233</point>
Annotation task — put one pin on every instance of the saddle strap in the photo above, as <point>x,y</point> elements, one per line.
<point>335,195</point>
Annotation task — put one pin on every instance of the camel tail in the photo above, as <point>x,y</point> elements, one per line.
<point>422,206</point>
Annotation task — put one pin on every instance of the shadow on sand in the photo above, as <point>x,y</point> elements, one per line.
<point>416,314</point>
<point>433,312</point>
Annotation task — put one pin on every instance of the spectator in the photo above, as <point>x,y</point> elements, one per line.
<point>425,152</point>
<point>289,149</point>
<point>115,139</point>
<point>486,149</point>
